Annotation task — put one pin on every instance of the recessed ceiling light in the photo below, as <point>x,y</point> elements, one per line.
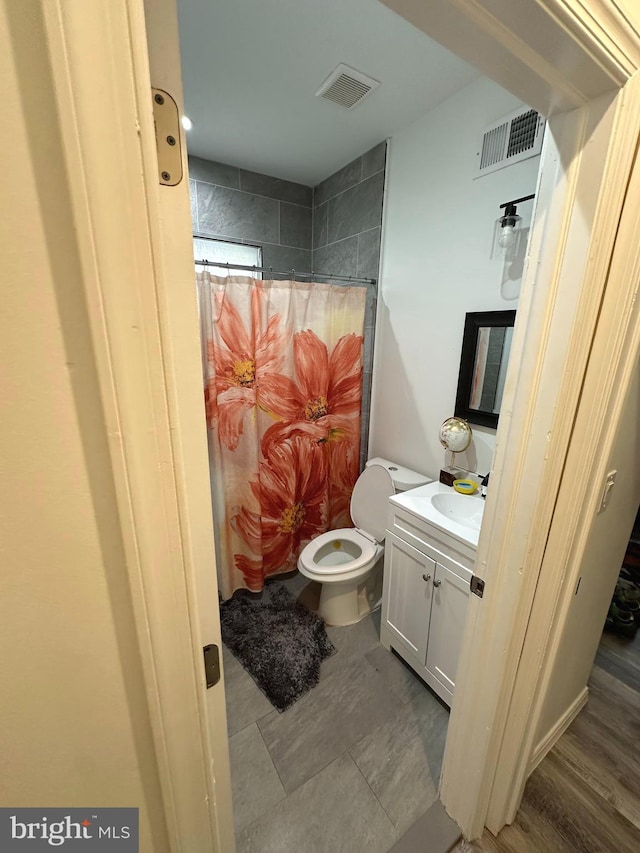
<point>187,123</point>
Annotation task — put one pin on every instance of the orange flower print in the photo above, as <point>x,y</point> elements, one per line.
<point>343,469</point>
<point>246,366</point>
<point>325,404</point>
<point>291,491</point>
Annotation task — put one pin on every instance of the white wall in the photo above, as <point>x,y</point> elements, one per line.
<point>436,266</point>
<point>74,722</point>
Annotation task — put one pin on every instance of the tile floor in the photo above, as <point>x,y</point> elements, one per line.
<point>350,766</point>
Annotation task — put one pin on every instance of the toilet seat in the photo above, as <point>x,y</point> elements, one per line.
<point>368,511</point>
<point>368,552</point>
<point>346,564</point>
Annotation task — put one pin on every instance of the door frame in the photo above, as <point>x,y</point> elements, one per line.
<point>572,60</point>
<point>613,365</point>
<point>499,698</point>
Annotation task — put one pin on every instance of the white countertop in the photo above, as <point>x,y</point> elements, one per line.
<point>418,502</point>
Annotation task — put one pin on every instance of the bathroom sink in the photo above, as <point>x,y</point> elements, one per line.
<point>463,509</point>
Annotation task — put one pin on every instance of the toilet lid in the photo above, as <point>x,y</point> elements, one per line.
<point>369,500</point>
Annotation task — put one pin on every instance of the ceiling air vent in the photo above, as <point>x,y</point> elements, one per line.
<point>515,137</point>
<point>347,87</point>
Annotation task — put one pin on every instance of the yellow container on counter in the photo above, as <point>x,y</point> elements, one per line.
<point>465,487</point>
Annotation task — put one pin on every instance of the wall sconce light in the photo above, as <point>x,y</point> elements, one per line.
<point>507,234</point>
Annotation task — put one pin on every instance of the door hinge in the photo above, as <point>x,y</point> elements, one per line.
<point>166,119</point>
<point>477,586</point>
<point>211,664</point>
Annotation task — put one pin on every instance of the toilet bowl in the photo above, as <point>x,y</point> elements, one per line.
<point>347,563</point>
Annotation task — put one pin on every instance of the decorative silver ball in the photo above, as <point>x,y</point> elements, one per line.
<point>455,435</point>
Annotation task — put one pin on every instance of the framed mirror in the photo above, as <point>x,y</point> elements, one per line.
<point>486,344</point>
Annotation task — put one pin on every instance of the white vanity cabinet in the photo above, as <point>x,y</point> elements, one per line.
<point>427,575</point>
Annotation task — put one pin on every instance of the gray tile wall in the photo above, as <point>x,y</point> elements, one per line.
<point>347,220</point>
<point>247,207</point>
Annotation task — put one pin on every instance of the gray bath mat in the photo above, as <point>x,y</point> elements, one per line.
<point>279,642</point>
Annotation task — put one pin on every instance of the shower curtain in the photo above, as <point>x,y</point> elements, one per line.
<point>282,365</point>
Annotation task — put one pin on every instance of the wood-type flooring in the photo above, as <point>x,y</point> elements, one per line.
<point>585,795</point>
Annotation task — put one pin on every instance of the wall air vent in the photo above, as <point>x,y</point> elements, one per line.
<point>515,137</point>
<point>346,87</point>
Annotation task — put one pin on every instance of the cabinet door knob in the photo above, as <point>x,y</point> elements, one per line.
<point>437,583</point>
<point>426,578</point>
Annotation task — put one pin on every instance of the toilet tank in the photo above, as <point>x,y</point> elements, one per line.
<point>403,478</point>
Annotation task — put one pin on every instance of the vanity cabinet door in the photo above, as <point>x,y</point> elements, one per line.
<point>448,616</point>
<point>408,591</point>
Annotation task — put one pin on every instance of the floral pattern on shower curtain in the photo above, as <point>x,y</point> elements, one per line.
<point>282,367</point>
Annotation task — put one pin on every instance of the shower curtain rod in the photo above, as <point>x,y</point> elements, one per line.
<point>287,272</point>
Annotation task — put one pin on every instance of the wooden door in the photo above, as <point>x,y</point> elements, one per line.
<point>174,248</point>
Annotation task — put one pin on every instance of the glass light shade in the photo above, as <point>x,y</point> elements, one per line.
<point>506,236</point>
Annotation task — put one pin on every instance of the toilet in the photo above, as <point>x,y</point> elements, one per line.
<point>347,563</point>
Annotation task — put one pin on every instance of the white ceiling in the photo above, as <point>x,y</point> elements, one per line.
<point>251,69</point>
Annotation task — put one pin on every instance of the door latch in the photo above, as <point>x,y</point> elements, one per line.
<point>211,664</point>
<point>477,586</point>
<point>606,491</point>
